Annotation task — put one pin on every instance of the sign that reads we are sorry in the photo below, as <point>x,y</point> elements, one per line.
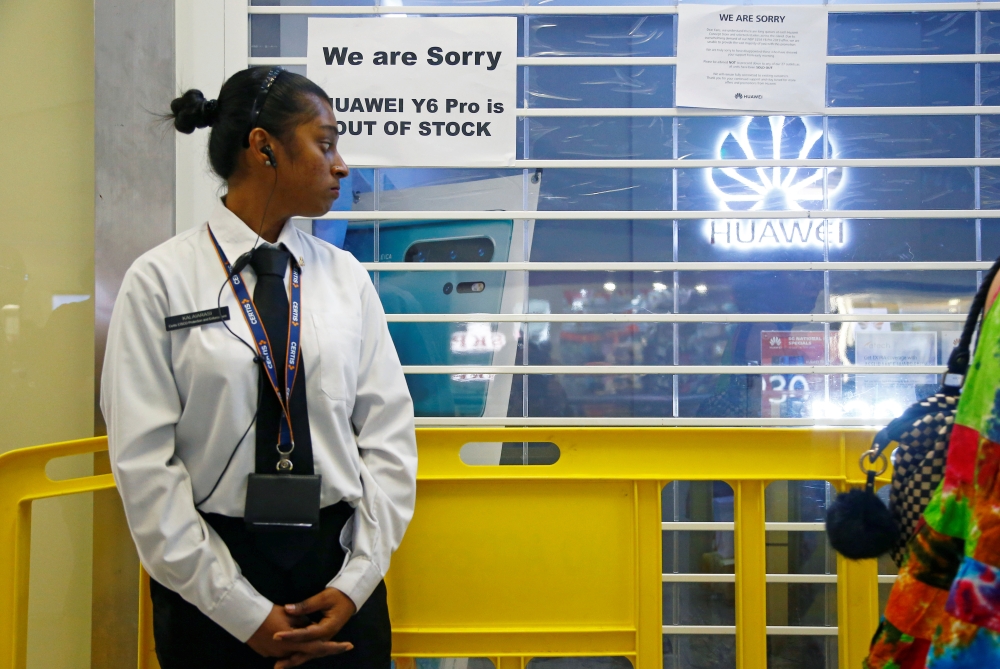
<point>424,92</point>
<point>752,58</point>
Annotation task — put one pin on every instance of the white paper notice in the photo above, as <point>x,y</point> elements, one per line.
<point>755,58</point>
<point>891,349</point>
<point>424,92</point>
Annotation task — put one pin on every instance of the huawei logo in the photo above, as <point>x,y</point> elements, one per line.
<point>773,188</point>
<point>742,189</point>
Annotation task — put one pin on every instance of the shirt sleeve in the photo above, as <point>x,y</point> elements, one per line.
<point>384,425</point>
<point>141,407</point>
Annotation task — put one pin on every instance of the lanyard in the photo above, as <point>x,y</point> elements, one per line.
<point>285,437</point>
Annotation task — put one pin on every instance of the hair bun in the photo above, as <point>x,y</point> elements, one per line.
<point>192,111</point>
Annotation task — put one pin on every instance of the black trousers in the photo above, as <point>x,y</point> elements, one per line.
<point>187,639</point>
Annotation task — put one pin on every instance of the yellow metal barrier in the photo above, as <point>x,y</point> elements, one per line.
<point>22,481</point>
<point>517,562</point>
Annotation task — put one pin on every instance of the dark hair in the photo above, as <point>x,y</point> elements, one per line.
<point>285,106</point>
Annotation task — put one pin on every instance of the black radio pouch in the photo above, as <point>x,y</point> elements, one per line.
<point>282,502</point>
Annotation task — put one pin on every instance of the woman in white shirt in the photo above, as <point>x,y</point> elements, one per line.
<point>266,518</point>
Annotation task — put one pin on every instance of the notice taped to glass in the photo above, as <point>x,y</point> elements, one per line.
<point>424,92</point>
<point>754,58</point>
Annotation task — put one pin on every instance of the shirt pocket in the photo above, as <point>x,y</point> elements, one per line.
<point>338,345</point>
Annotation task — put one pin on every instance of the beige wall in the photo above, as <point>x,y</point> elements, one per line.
<point>47,254</point>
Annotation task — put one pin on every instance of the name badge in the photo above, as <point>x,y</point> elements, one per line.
<point>196,318</point>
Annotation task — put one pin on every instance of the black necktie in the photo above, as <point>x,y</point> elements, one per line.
<point>271,300</point>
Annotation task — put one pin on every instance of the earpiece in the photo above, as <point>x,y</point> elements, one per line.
<point>267,151</point>
<point>241,263</point>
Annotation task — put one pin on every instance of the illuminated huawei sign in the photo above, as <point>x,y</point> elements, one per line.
<point>774,188</point>
<point>776,233</point>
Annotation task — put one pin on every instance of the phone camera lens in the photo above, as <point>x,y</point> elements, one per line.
<point>448,288</point>
<point>420,256</point>
<point>482,252</point>
<point>453,254</point>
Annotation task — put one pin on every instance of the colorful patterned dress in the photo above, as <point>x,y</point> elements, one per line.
<point>969,634</point>
<point>945,606</point>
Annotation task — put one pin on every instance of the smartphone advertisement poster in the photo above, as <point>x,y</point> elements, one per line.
<point>425,92</point>
<point>753,57</point>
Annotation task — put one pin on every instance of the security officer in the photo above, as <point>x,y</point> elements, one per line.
<point>259,425</point>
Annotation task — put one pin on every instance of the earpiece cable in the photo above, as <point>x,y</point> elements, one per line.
<point>256,358</point>
<point>260,229</point>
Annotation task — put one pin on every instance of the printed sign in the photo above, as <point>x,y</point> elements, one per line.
<point>794,395</point>
<point>892,349</point>
<point>895,348</point>
<point>419,92</point>
<point>752,57</point>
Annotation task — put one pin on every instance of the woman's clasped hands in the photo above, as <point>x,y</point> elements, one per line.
<point>289,634</point>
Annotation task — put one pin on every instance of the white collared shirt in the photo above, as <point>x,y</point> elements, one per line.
<point>177,402</point>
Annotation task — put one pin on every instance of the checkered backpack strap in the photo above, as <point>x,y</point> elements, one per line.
<point>919,463</point>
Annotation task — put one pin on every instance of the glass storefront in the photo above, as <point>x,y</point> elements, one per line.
<point>860,124</point>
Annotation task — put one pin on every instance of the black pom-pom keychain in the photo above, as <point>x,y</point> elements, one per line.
<point>858,524</point>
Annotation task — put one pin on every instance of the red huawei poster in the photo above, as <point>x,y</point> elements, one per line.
<point>795,395</point>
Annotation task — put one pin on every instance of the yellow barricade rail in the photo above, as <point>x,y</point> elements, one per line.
<point>516,562</point>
